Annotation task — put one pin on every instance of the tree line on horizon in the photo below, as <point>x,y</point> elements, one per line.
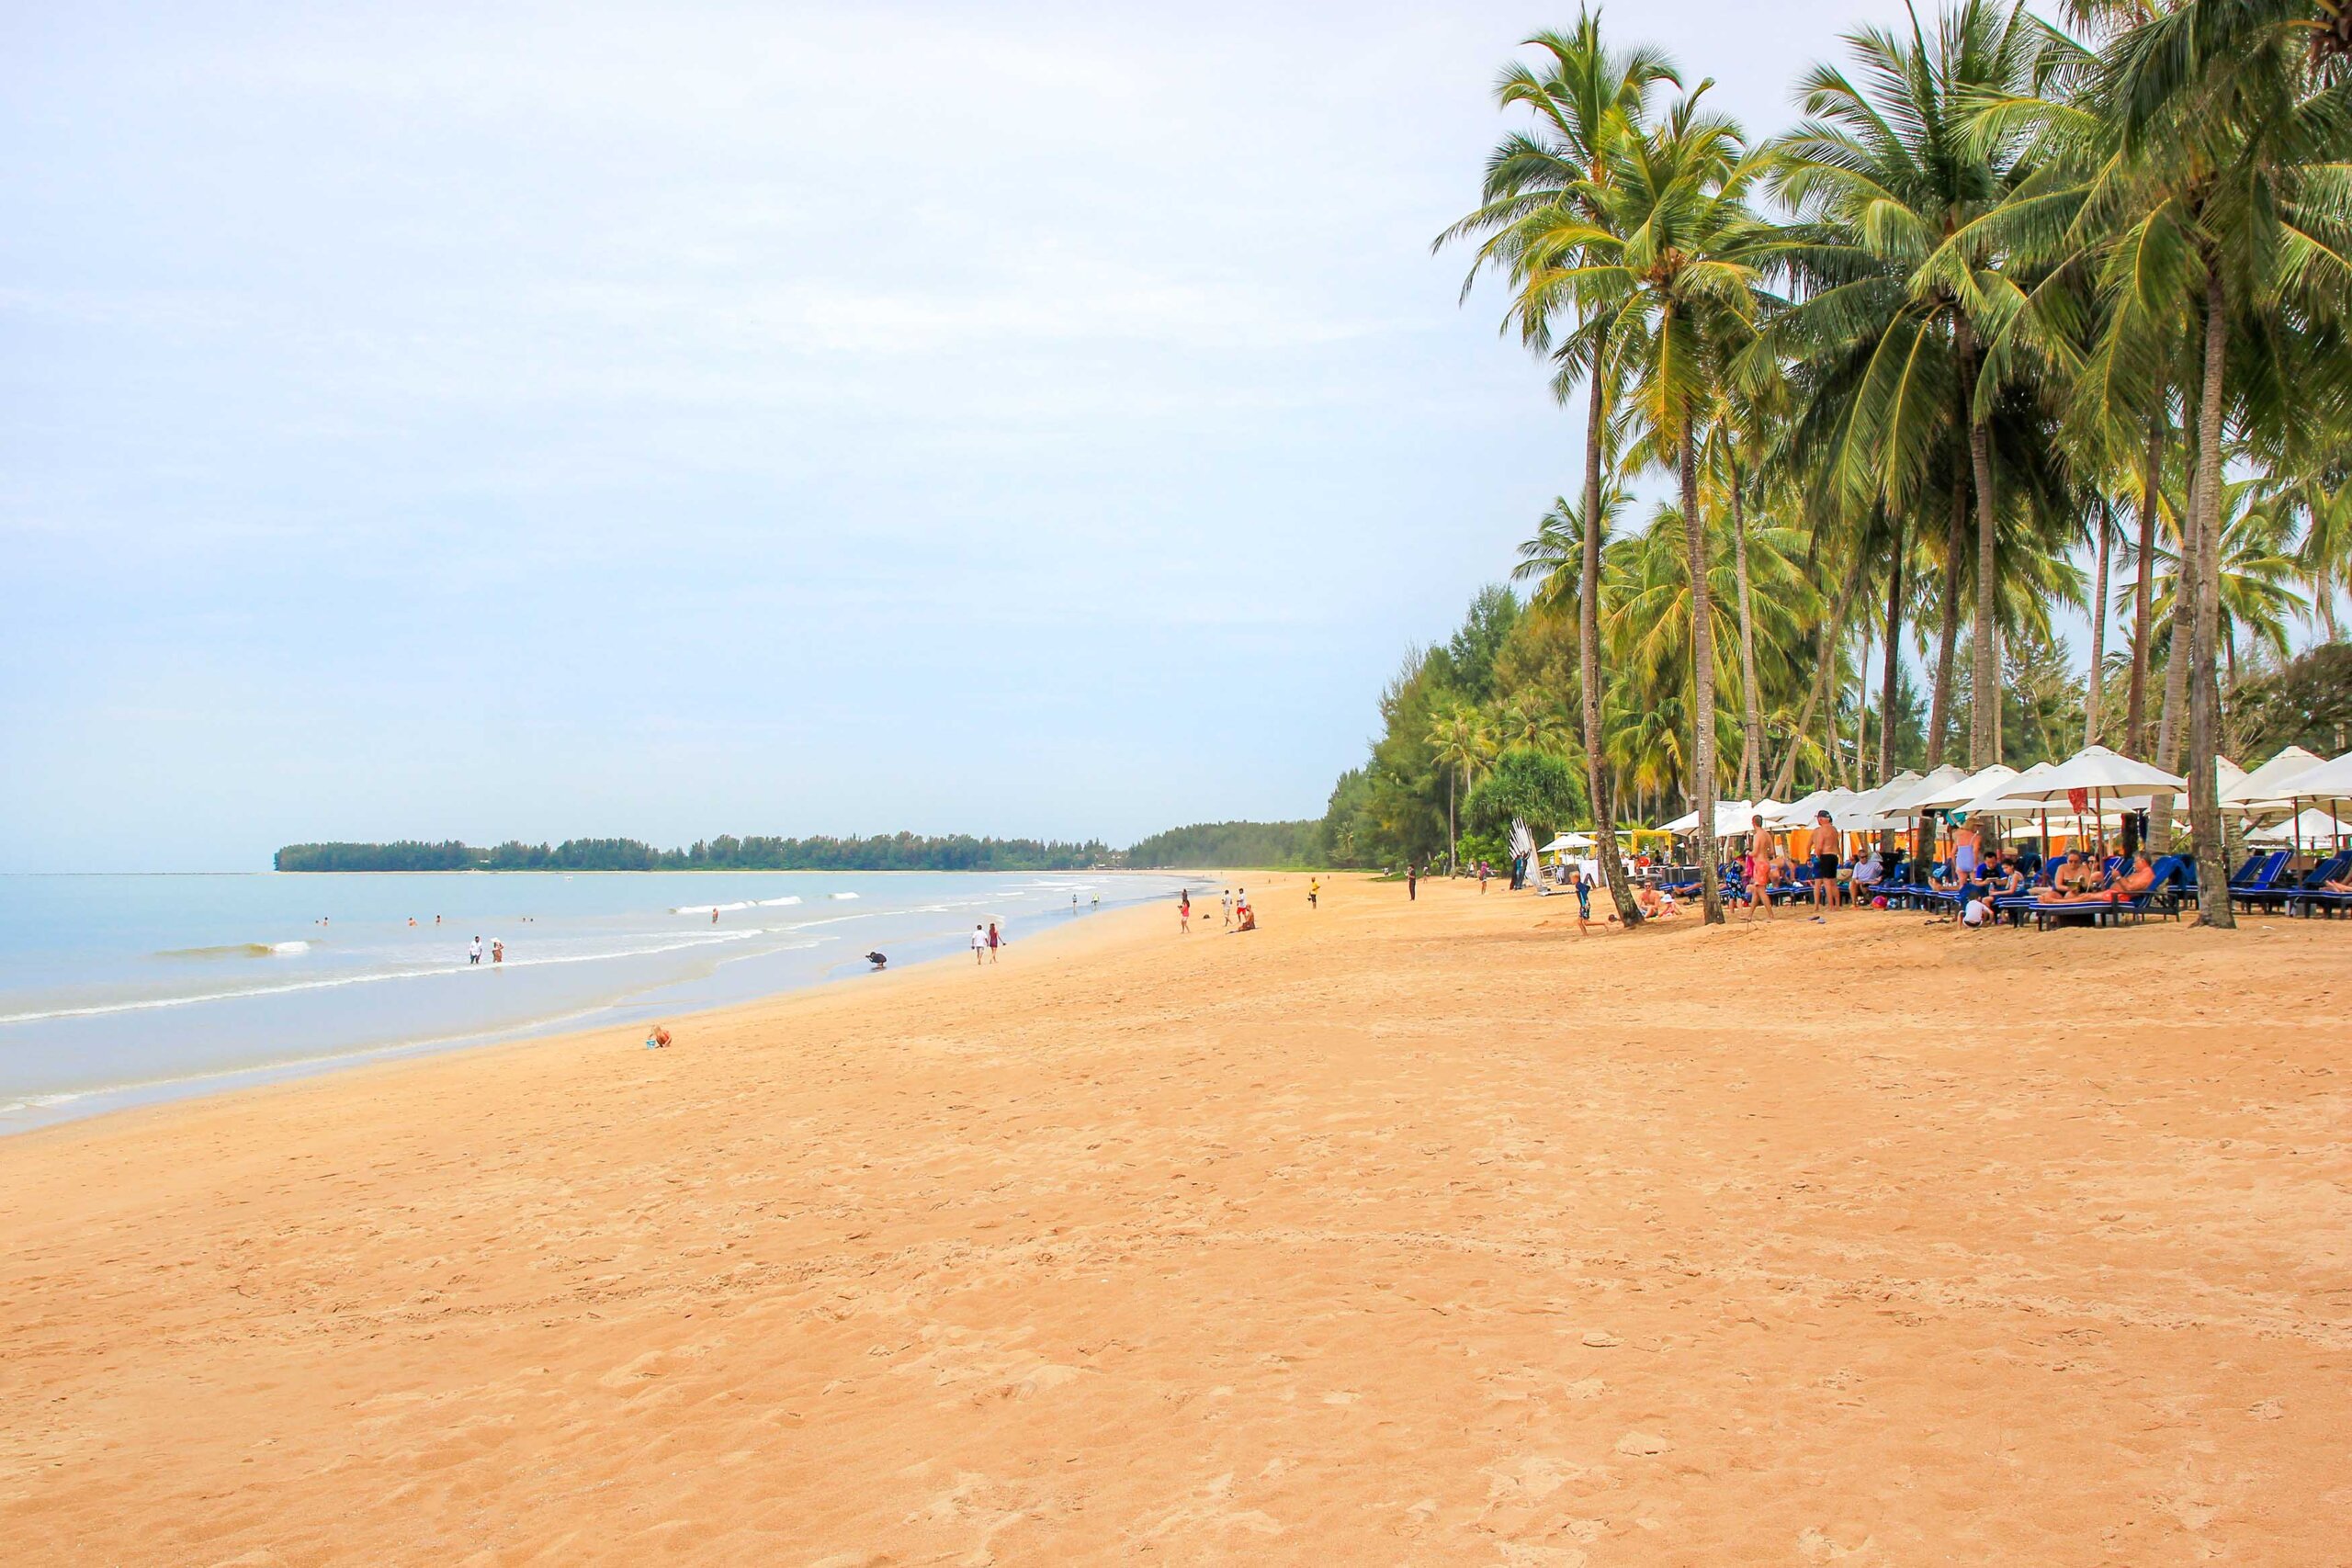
<point>1268,844</point>
<point>2023,313</point>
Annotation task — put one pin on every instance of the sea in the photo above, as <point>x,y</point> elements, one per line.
<point>119,990</point>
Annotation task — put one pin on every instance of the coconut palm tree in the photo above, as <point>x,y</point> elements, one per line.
<point>1459,742</point>
<point>1674,253</point>
<point>1542,190</point>
<point>1887,174</point>
<point>2196,176</point>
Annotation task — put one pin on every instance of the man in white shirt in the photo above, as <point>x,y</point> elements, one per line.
<point>473,950</point>
<point>1867,876</point>
<point>979,944</point>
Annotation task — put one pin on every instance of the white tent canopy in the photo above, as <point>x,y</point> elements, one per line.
<point>1731,817</point>
<point>1568,841</point>
<point>2259,790</point>
<point>1801,813</point>
<point>2314,827</point>
<point>2099,775</point>
<point>2329,784</point>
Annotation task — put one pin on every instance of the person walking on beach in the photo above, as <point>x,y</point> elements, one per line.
<point>1225,904</point>
<point>979,944</point>
<point>1314,890</point>
<point>996,939</point>
<point>1759,869</point>
<point>473,952</point>
<point>1184,913</point>
<point>1485,871</point>
<point>1583,891</point>
<point>1412,882</point>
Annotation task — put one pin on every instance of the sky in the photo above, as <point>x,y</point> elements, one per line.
<point>487,422</point>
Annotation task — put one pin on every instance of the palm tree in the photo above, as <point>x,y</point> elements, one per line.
<point>1459,742</point>
<point>1542,189</point>
<point>2198,175</point>
<point>1886,176</point>
<point>1674,253</point>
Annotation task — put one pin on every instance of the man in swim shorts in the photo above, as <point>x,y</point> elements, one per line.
<point>1824,862</point>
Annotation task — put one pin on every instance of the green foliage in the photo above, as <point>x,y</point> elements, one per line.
<point>2306,703</point>
<point>900,851</point>
<point>1277,844</point>
<point>408,854</point>
<point>1540,789</point>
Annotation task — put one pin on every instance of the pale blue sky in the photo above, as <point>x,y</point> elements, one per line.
<point>678,419</point>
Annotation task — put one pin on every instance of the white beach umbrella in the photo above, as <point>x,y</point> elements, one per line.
<point>1801,811</point>
<point>2099,775</point>
<point>1867,813</point>
<point>2313,825</point>
<point>1685,823</point>
<point>1999,798</point>
<point>1570,841</point>
<point>1904,801</point>
<point>1967,787</point>
<point>2328,784</point>
<point>2258,791</point>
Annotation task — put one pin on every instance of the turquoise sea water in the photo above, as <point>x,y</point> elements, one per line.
<point>116,990</point>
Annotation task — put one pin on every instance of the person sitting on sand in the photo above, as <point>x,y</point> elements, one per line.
<point>1245,918</point>
<point>2135,880</point>
<point>658,1040</point>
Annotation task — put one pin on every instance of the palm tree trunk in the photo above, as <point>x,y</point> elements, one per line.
<point>2184,596</point>
<point>2135,722</point>
<point>1939,705</point>
<point>2000,707</point>
<point>1452,839</point>
<point>2099,626</point>
<point>1888,676</point>
<point>1702,679</point>
<point>1788,770</point>
<point>2204,693</point>
<point>1596,778</point>
<point>1862,715</point>
<point>1984,710</point>
<point>1751,754</point>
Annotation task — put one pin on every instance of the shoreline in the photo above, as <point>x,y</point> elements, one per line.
<point>1422,1231</point>
<point>33,1113</point>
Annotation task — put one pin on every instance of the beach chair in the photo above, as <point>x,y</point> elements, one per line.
<point>2264,874</point>
<point>2309,884</point>
<point>2047,915</point>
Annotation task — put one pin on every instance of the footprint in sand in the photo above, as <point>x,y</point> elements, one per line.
<point>1642,1445</point>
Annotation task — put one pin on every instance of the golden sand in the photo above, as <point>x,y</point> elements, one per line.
<point>1399,1233</point>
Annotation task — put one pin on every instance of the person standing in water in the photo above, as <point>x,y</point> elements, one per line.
<point>473,950</point>
<point>497,951</point>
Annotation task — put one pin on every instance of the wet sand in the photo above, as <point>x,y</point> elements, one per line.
<point>1397,1232</point>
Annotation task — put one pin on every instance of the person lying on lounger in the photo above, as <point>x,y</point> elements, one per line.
<point>2137,879</point>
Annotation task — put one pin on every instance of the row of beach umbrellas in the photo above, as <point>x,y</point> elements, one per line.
<point>2313,794</point>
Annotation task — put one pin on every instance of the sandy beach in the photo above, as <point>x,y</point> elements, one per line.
<point>1421,1233</point>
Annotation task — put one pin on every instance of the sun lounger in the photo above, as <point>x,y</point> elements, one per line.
<point>2312,884</point>
<point>2265,874</point>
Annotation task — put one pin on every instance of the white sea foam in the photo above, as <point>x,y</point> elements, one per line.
<point>146,1004</point>
<point>841,895</point>
<point>290,947</point>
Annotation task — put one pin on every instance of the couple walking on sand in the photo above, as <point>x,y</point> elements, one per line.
<point>986,940</point>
